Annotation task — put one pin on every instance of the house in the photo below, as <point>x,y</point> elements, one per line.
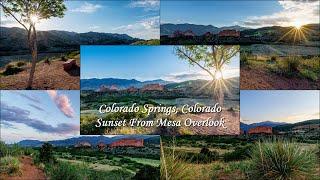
<point>260,130</point>
<point>229,33</point>
<point>152,87</point>
<point>83,144</point>
<point>127,143</point>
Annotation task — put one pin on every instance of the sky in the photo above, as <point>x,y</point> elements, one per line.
<point>248,13</point>
<point>39,115</point>
<point>143,63</point>
<point>139,18</point>
<point>279,106</point>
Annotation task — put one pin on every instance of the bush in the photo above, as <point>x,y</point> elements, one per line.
<point>244,58</point>
<point>281,160</point>
<point>66,171</point>
<point>11,70</point>
<point>289,66</point>
<point>46,153</point>
<point>147,172</point>
<point>9,165</point>
<point>239,153</point>
<point>309,74</point>
<point>21,63</point>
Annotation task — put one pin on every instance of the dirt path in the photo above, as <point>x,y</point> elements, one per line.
<point>27,171</point>
<point>47,76</point>
<point>259,78</point>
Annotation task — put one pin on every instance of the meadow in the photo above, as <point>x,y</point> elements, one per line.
<point>80,163</point>
<point>238,157</point>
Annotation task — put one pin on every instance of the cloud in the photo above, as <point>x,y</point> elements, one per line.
<point>29,97</point>
<point>87,8</point>
<point>62,102</point>
<point>36,107</point>
<point>304,12</point>
<point>13,114</point>
<point>147,5</point>
<point>147,28</point>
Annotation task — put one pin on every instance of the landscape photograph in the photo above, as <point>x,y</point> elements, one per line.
<point>240,22</point>
<point>40,140</point>
<point>280,67</point>
<point>40,41</point>
<point>166,90</point>
<point>279,140</point>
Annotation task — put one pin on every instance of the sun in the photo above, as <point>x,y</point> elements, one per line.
<point>297,24</point>
<point>218,75</point>
<point>34,18</point>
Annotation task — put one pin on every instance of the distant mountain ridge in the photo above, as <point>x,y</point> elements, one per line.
<point>14,40</point>
<point>168,29</point>
<point>280,126</point>
<point>93,140</point>
<point>94,83</point>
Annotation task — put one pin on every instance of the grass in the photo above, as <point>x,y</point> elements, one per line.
<point>282,160</point>
<point>9,165</point>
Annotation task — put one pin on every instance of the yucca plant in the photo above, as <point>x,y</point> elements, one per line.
<point>281,160</point>
<point>172,166</point>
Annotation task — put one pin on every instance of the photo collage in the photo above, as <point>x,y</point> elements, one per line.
<point>159,89</point>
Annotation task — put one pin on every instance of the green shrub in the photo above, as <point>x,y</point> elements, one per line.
<point>281,160</point>
<point>11,70</point>
<point>147,172</point>
<point>239,153</point>
<point>289,66</point>
<point>21,63</point>
<point>309,74</point>
<point>46,153</point>
<point>244,58</point>
<point>9,165</point>
<point>63,58</point>
<point>66,171</point>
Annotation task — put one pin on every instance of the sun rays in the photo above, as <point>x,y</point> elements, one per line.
<point>297,33</point>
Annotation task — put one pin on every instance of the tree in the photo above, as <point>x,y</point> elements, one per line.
<point>211,59</point>
<point>29,12</point>
<point>46,153</point>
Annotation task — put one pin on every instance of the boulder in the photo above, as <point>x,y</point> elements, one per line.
<point>69,64</point>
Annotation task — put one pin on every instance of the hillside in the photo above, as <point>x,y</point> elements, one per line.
<point>14,40</point>
<point>246,127</point>
<point>289,127</point>
<point>93,140</point>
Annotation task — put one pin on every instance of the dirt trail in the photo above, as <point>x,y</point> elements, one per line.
<point>27,171</point>
<point>47,76</point>
<point>259,78</point>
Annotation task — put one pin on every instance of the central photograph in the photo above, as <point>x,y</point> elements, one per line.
<point>166,90</point>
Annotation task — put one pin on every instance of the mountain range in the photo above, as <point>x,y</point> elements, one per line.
<point>14,40</point>
<point>94,83</point>
<point>167,29</point>
<point>93,140</point>
<point>280,126</point>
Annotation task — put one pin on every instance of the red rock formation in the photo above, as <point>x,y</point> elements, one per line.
<point>153,87</point>
<point>114,88</point>
<point>101,146</point>
<point>132,89</point>
<point>127,143</point>
<point>83,144</point>
<point>103,88</point>
<point>189,33</point>
<point>229,33</point>
<point>260,130</point>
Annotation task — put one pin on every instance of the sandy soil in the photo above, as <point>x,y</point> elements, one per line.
<point>27,171</point>
<point>259,78</point>
<point>47,76</point>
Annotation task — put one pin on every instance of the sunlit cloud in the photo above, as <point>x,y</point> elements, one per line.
<point>294,12</point>
<point>147,28</point>
<point>148,5</point>
<point>87,8</point>
<point>62,102</point>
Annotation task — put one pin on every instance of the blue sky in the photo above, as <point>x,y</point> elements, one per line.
<point>245,13</point>
<point>142,63</point>
<point>279,106</point>
<point>136,18</point>
<point>41,115</point>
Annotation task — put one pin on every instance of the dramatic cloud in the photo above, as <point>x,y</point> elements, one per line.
<point>12,114</point>
<point>62,102</point>
<point>87,8</point>
<point>147,28</point>
<point>148,5</point>
<point>294,12</point>
<point>36,107</point>
<point>29,97</point>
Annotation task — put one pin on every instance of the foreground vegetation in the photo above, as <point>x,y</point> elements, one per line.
<point>190,157</point>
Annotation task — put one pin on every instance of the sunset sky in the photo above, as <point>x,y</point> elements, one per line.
<point>143,63</point>
<point>136,18</point>
<point>279,106</point>
<point>244,13</point>
<point>40,115</point>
